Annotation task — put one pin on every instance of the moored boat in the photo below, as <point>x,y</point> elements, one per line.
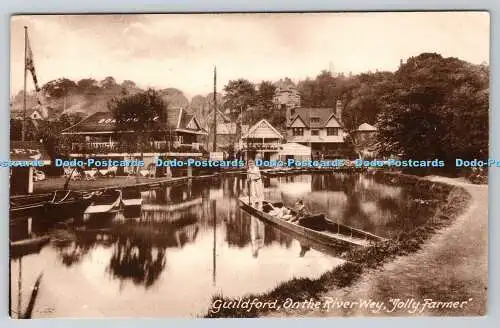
<point>104,203</point>
<point>131,201</point>
<point>64,202</point>
<point>328,233</point>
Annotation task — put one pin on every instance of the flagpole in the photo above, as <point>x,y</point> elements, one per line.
<point>215,110</point>
<point>24,93</point>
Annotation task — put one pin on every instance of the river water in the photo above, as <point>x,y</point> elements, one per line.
<point>191,242</point>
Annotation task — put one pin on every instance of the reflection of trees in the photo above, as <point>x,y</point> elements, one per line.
<point>73,251</point>
<point>136,258</point>
<point>139,252</point>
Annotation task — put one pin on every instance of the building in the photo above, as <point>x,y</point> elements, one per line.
<point>262,140</point>
<point>286,96</point>
<point>227,132</point>
<point>295,151</point>
<point>96,136</point>
<point>319,128</point>
<point>366,140</point>
<point>22,177</point>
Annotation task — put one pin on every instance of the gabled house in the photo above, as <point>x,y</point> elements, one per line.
<point>263,140</point>
<point>319,128</point>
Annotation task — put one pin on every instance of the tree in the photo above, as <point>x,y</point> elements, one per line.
<point>87,86</point>
<point>174,97</point>
<point>58,88</point>
<point>438,108</point>
<point>239,96</point>
<point>109,82</point>
<point>320,92</point>
<point>143,113</point>
<point>265,95</point>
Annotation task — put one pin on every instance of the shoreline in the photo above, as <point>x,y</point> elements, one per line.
<point>454,201</point>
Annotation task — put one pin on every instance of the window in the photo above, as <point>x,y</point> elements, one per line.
<point>332,131</point>
<point>315,132</point>
<point>298,131</point>
<point>314,119</point>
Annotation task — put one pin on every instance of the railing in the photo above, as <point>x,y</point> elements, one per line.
<point>115,147</point>
<point>261,146</point>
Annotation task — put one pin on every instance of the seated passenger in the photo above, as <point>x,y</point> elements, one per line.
<point>300,210</point>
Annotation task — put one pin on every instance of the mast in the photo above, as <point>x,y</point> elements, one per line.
<point>214,147</point>
<point>23,132</point>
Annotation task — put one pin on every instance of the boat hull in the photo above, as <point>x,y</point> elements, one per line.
<point>331,240</point>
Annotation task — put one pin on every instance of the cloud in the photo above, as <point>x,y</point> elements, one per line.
<point>180,50</point>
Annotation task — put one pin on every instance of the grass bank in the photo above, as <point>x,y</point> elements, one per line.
<point>451,202</point>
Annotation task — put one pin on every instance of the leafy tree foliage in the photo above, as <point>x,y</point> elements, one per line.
<point>438,108</point>
<point>239,96</point>
<point>58,88</point>
<point>144,113</point>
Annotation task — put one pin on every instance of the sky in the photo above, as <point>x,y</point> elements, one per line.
<point>180,50</point>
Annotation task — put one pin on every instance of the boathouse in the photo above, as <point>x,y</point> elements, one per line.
<point>263,140</point>
<point>98,137</point>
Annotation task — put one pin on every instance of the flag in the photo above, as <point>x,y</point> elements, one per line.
<point>30,66</point>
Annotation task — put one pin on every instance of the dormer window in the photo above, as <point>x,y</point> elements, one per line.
<point>315,120</point>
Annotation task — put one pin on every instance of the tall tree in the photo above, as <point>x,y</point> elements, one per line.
<point>59,88</point>
<point>265,95</point>
<point>239,96</point>
<point>143,113</point>
<point>437,109</point>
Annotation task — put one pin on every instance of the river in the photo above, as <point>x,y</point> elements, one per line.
<point>191,242</point>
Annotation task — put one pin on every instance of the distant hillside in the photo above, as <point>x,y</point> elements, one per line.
<point>86,96</point>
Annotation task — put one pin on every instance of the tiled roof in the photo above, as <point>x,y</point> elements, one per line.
<point>313,117</point>
<point>105,122</point>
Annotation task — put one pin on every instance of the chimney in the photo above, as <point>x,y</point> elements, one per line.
<point>338,111</point>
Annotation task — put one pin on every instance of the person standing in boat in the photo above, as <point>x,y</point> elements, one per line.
<point>255,186</point>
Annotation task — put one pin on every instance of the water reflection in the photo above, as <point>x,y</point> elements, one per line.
<point>194,240</point>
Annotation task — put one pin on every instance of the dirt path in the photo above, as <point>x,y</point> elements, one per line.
<point>451,266</point>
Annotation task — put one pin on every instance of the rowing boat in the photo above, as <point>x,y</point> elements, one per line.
<point>332,235</point>
<point>106,203</point>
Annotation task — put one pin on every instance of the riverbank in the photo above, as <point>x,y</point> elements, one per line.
<point>57,183</point>
<point>430,262</point>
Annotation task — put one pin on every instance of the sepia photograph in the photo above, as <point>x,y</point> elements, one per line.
<point>243,165</point>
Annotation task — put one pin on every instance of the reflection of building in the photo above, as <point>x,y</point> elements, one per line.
<point>319,128</point>
<point>263,139</point>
